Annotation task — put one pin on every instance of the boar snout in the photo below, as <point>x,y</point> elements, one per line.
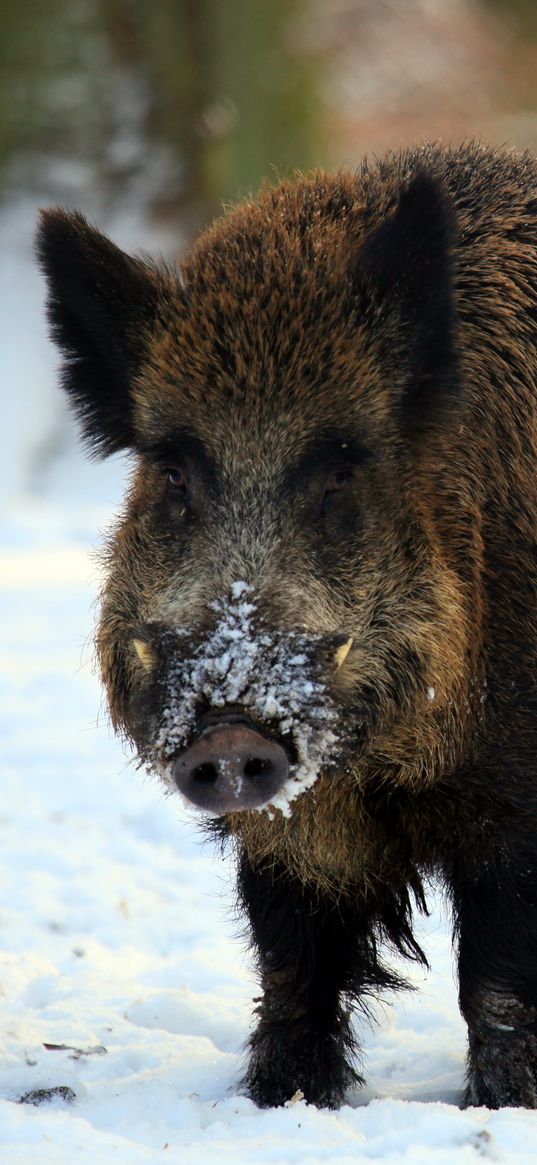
<point>231,767</point>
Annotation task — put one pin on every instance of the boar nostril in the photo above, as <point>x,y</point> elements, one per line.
<point>230,767</point>
<point>255,766</point>
<point>206,772</point>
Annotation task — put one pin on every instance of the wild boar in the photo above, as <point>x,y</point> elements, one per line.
<point>319,618</point>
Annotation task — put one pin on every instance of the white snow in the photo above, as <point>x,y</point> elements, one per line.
<point>116,920</point>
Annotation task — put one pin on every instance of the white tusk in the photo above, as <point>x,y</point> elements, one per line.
<point>145,653</point>
<point>342,652</point>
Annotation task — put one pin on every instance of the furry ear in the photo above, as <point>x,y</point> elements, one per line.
<point>406,271</point>
<point>101,305</point>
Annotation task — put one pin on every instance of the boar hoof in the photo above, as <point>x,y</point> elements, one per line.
<point>231,767</point>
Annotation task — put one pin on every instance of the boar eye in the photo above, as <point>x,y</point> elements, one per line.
<point>337,481</point>
<point>177,480</point>
<point>334,485</point>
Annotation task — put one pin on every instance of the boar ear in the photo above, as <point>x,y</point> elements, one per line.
<point>100,306</point>
<point>406,271</point>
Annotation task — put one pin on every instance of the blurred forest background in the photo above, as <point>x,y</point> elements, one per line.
<point>179,105</point>
<point>148,115</point>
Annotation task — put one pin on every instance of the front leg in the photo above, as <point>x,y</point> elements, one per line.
<point>497,922</point>
<point>303,1039</point>
<point>315,954</point>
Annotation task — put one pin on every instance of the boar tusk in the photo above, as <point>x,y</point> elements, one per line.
<point>342,652</point>
<point>145,653</point>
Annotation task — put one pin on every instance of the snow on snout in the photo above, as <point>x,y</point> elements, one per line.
<point>274,675</point>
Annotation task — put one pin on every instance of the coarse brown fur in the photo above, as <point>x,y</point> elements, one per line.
<point>396,306</point>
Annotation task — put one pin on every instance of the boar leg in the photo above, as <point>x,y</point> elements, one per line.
<point>314,954</point>
<point>303,1035</point>
<point>497,920</point>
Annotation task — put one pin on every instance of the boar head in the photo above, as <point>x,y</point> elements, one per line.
<point>279,603</point>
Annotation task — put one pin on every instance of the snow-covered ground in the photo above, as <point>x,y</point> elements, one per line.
<point>123,983</point>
